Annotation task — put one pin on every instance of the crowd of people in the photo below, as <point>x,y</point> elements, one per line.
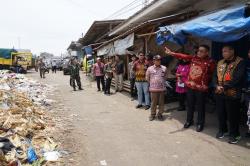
<point>195,77</point>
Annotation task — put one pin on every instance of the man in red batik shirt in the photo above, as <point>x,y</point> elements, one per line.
<point>201,71</point>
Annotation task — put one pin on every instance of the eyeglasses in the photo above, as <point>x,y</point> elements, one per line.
<point>141,55</point>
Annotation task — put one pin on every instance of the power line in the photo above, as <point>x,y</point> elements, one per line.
<point>128,10</point>
<point>130,4</point>
<point>143,3</point>
<point>123,8</point>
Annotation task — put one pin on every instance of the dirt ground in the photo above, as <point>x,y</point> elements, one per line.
<point>96,130</point>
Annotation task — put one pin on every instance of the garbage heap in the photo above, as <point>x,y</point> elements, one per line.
<point>25,124</point>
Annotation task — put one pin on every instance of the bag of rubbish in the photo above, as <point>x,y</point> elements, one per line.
<point>5,145</point>
<point>52,156</point>
<point>31,155</point>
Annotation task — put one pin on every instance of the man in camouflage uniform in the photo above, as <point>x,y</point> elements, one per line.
<point>75,75</point>
<point>42,68</point>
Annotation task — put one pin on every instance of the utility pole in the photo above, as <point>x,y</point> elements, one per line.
<point>19,42</point>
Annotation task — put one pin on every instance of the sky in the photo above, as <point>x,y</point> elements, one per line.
<point>51,25</point>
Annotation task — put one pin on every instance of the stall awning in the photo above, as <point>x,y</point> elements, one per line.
<point>118,47</point>
<point>106,50</point>
<point>223,26</point>
<point>121,45</point>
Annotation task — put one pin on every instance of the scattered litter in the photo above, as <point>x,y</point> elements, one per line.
<point>103,162</point>
<point>4,86</point>
<point>52,156</point>
<point>31,155</point>
<point>25,123</point>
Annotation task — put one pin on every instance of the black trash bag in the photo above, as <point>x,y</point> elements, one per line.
<point>5,145</point>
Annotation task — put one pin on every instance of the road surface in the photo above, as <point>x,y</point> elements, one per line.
<point>109,130</point>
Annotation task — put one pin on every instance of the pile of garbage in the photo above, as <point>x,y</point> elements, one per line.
<point>33,89</point>
<point>25,125</point>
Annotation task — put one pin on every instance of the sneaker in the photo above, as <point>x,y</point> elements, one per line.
<point>151,118</point>
<point>234,140</point>
<point>147,107</point>
<point>138,106</point>
<point>220,135</point>
<point>80,89</point>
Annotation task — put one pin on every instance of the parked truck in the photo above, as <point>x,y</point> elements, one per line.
<point>14,60</point>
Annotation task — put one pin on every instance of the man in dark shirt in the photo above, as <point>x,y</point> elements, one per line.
<point>119,72</point>
<point>229,81</point>
<point>247,93</point>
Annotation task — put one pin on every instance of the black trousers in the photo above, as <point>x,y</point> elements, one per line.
<point>100,79</point>
<point>76,79</point>
<point>198,99</point>
<point>107,85</point>
<point>228,109</point>
<point>133,90</point>
<point>54,69</point>
<point>182,98</point>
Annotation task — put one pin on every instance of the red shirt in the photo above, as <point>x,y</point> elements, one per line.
<point>98,69</point>
<point>201,71</point>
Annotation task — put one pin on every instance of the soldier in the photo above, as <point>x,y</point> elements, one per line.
<point>42,68</point>
<point>75,74</point>
<point>229,83</point>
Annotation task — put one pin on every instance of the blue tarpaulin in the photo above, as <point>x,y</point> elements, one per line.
<point>6,53</point>
<point>223,26</point>
<point>88,50</point>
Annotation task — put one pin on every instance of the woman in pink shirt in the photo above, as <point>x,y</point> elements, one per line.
<point>182,76</point>
<point>98,70</point>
